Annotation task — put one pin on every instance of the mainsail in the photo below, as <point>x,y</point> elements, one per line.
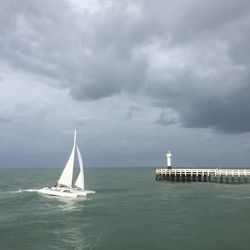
<point>80,179</point>
<point>67,174</point>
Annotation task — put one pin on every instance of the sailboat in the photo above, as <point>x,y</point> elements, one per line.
<point>65,186</point>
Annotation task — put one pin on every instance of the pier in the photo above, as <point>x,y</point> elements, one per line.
<point>233,176</point>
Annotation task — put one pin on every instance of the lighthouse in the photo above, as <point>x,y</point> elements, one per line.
<point>169,157</point>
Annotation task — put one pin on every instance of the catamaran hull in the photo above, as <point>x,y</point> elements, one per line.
<point>73,193</point>
<point>82,193</point>
<point>61,193</point>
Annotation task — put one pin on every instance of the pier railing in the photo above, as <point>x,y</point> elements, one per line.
<point>204,175</point>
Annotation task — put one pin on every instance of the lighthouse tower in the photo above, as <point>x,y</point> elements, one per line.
<point>169,157</point>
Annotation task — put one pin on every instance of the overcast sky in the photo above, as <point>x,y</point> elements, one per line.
<point>135,78</point>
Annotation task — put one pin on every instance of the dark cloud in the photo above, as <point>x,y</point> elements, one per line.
<point>227,115</point>
<point>132,110</point>
<point>189,56</point>
<point>5,120</point>
<point>165,120</point>
<point>221,102</point>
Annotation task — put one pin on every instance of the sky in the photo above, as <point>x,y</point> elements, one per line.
<point>134,77</point>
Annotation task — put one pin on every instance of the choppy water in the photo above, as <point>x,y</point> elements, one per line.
<point>130,210</point>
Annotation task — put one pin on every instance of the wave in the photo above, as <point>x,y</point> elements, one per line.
<point>234,197</point>
<point>23,190</point>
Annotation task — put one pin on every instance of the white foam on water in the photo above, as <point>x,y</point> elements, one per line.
<point>234,197</point>
<point>23,190</point>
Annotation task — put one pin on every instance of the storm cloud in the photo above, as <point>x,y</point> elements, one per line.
<point>138,77</point>
<point>189,56</point>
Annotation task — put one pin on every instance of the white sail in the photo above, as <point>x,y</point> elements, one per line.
<point>80,179</point>
<point>67,174</point>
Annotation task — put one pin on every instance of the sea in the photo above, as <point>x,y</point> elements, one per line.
<point>130,210</point>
